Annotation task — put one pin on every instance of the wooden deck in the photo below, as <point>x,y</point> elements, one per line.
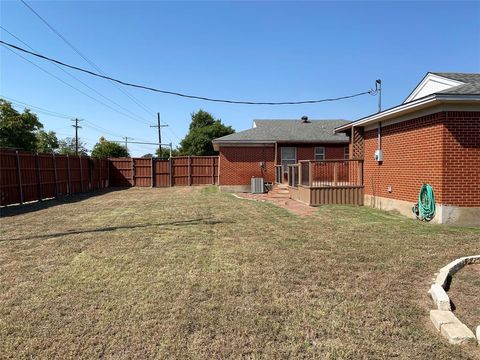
<point>327,182</point>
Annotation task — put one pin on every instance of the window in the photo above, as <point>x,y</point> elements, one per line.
<point>346,152</point>
<point>320,153</point>
<point>288,157</point>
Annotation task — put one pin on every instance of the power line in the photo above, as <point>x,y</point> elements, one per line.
<point>71,86</point>
<point>83,83</point>
<point>371,92</point>
<point>90,62</point>
<point>87,123</point>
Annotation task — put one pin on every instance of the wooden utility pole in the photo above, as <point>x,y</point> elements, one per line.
<point>126,142</point>
<point>76,126</point>
<point>159,127</point>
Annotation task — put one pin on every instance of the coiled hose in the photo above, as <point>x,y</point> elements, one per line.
<point>425,209</point>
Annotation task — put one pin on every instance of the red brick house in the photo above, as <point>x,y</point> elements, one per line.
<point>432,137</point>
<point>256,151</point>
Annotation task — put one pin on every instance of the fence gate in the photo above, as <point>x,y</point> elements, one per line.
<point>151,172</point>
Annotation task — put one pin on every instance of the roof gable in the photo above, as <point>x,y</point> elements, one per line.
<point>430,84</point>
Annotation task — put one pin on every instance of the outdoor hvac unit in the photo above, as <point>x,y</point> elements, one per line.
<point>257,185</point>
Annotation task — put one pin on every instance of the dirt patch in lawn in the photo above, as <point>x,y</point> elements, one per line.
<point>292,206</point>
<point>465,294</point>
<point>176,273</point>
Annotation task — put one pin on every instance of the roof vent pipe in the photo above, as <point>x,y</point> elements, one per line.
<point>305,119</point>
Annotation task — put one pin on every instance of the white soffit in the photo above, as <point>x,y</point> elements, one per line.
<point>431,84</point>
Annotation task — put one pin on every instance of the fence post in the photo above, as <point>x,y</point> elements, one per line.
<point>37,171</point>
<point>19,175</point>
<point>69,177</point>
<point>310,174</point>
<point>189,171</point>
<point>55,174</point>
<point>153,172</point>
<point>213,170</point>
<point>81,173</point>
<point>170,170</point>
<point>133,172</point>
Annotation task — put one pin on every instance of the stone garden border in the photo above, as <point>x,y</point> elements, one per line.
<point>442,317</point>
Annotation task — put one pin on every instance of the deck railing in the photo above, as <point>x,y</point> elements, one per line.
<point>278,174</point>
<point>293,175</point>
<point>328,182</point>
<point>331,173</point>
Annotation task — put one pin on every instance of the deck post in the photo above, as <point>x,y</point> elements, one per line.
<point>335,173</point>
<point>300,173</point>
<point>360,172</point>
<point>310,174</point>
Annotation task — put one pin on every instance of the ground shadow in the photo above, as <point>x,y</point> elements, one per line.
<point>206,221</point>
<point>13,210</point>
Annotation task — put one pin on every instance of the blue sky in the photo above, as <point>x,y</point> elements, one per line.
<point>260,51</point>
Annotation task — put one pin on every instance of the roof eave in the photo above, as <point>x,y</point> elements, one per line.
<point>409,107</point>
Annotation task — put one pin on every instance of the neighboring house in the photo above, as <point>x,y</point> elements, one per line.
<point>432,137</point>
<point>255,152</point>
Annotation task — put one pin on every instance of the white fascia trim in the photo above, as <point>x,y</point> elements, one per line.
<point>431,78</point>
<point>410,107</point>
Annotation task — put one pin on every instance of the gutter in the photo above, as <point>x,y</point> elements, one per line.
<point>424,102</point>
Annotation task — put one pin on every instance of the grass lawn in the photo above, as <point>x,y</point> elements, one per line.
<point>195,273</point>
<point>465,294</point>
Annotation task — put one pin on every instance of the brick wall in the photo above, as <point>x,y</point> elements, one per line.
<point>441,149</point>
<point>461,177</point>
<point>239,164</point>
<point>307,152</point>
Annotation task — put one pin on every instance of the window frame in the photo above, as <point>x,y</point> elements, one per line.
<point>315,153</point>
<point>346,153</point>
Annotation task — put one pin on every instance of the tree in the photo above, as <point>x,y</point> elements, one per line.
<point>18,130</point>
<point>105,149</point>
<point>67,147</point>
<point>203,129</point>
<point>47,142</point>
<point>148,155</point>
<point>165,152</point>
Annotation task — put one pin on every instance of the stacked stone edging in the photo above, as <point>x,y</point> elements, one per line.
<point>443,318</point>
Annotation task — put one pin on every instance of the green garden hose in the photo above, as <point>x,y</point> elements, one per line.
<point>425,209</point>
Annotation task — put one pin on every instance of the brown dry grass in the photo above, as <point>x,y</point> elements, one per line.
<point>194,273</point>
<point>465,294</point>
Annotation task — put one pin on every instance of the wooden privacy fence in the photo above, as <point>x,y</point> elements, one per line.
<point>151,172</point>
<point>27,177</point>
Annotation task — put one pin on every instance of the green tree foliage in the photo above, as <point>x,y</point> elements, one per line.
<point>203,129</point>
<point>47,142</point>
<point>18,130</point>
<point>165,153</point>
<point>67,147</point>
<point>105,149</point>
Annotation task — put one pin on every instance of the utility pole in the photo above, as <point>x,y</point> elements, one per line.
<point>126,142</point>
<point>76,126</point>
<point>378,89</point>
<point>159,126</point>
